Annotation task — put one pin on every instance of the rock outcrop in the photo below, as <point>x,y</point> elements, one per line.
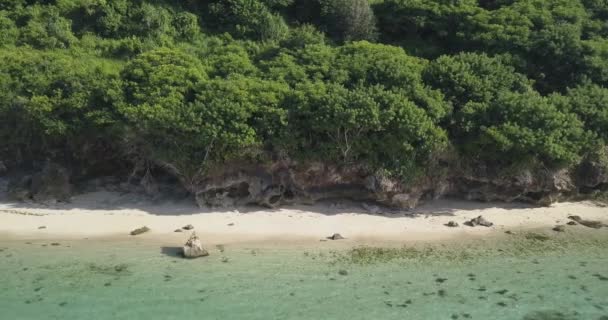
<point>452,224</point>
<point>139,231</point>
<point>193,248</point>
<point>282,184</point>
<point>479,221</point>
<point>541,186</point>
<point>336,236</point>
<point>50,185</point>
<point>588,223</point>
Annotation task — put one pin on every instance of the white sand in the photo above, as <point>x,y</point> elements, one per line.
<point>105,214</point>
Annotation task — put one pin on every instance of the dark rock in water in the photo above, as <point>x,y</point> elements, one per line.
<point>479,221</point>
<point>343,272</point>
<point>452,224</point>
<point>178,230</point>
<point>55,244</point>
<point>572,223</point>
<point>194,248</point>
<point>587,223</point>
<point>548,315</point>
<point>231,224</point>
<point>139,231</point>
<point>188,227</point>
<point>42,227</point>
<point>510,232</point>
<point>120,268</point>
<point>559,228</point>
<point>336,236</point>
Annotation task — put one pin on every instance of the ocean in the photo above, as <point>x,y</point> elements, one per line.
<point>527,276</point>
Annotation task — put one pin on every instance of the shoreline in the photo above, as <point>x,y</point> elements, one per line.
<point>97,216</point>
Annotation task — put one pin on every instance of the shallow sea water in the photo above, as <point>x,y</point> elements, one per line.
<point>528,277</point>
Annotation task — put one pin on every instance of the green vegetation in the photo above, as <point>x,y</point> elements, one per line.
<point>390,85</point>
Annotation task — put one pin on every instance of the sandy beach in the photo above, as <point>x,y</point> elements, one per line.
<point>111,215</point>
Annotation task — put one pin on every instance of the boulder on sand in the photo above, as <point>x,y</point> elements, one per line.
<point>587,223</point>
<point>479,221</point>
<point>139,231</point>
<point>194,248</point>
<point>452,224</point>
<point>336,236</point>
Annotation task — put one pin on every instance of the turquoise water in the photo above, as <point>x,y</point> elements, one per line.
<point>523,277</point>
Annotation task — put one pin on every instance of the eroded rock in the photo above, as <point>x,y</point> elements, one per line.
<point>139,231</point>
<point>193,248</point>
<point>51,185</point>
<point>559,228</point>
<point>336,236</point>
<point>452,224</point>
<point>479,221</point>
<point>587,223</point>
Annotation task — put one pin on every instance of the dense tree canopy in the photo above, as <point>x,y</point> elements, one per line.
<point>388,85</point>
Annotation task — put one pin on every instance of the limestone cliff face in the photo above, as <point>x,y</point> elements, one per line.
<point>283,183</point>
<point>280,183</point>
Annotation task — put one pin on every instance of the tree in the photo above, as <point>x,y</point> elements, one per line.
<point>376,64</point>
<point>473,77</point>
<point>590,103</point>
<point>349,20</point>
<point>520,128</point>
<point>366,125</point>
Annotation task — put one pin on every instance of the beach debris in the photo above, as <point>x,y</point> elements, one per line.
<point>188,227</point>
<point>41,227</point>
<point>343,272</point>
<point>178,230</point>
<point>336,236</point>
<point>510,232</point>
<point>479,221</point>
<point>587,223</point>
<point>194,248</point>
<point>55,244</point>
<point>225,259</point>
<point>452,224</point>
<point>373,209</point>
<point>572,223</point>
<point>559,228</point>
<point>139,231</point>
